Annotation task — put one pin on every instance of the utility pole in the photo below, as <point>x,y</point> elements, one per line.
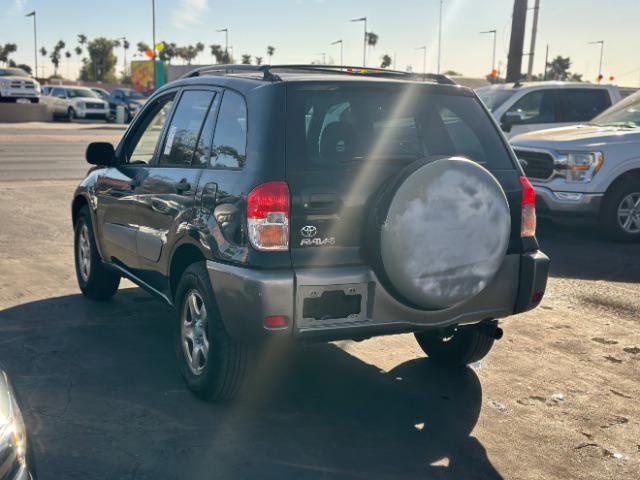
<point>493,58</point>
<point>424,58</point>
<point>546,63</point>
<point>534,33</point>
<point>516,45</point>
<point>440,36</point>
<point>155,73</point>
<point>364,53</point>
<point>336,43</point>
<point>35,43</point>
<point>601,43</point>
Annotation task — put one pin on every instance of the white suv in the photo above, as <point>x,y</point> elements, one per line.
<point>525,107</point>
<point>75,102</point>
<point>589,171</point>
<point>17,85</point>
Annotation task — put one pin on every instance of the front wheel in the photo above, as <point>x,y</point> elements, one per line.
<point>620,215</point>
<point>213,365</point>
<point>71,114</point>
<point>95,281</point>
<point>462,346</point>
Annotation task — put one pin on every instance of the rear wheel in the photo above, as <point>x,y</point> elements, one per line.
<point>460,347</point>
<point>71,114</point>
<point>212,364</point>
<point>621,212</point>
<point>95,281</point>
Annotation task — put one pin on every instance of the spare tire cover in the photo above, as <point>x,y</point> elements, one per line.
<point>445,233</point>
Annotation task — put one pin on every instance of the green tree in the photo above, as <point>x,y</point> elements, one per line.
<point>6,50</point>
<point>558,68</point>
<point>22,66</point>
<point>246,59</point>
<point>270,52</point>
<point>189,52</point>
<point>220,55</point>
<point>372,39</point>
<point>143,47</point>
<point>102,62</point>
<point>55,56</point>
<point>386,61</point>
<point>258,60</point>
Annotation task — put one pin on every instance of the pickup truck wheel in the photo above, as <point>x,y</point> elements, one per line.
<point>213,365</point>
<point>95,281</point>
<point>465,345</point>
<point>620,216</point>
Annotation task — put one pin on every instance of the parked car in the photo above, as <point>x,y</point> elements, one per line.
<point>16,85</point>
<point>589,171</point>
<point>526,107</point>
<point>16,454</point>
<point>101,92</point>
<point>130,99</point>
<point>75,102</point>
<point>311,203</point>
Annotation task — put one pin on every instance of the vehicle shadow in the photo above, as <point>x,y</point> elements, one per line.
<point>103,399</point>
<point>582,252</point>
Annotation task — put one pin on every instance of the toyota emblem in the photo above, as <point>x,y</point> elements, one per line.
<point>308,231</point>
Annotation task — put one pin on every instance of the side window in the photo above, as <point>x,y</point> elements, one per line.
<point>144,145</point>
<point>536,107</point>
<point>182,135</point>
<point>57,92</point>
<point>230,139</point>
<point>582,105</point>
<point>464,140</point>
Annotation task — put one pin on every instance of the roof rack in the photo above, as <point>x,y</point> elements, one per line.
<point>268,75</point>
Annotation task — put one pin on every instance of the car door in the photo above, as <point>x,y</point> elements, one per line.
<point>165,196</point>
<point>58,100</point>
<point>115,187</point>
<point>535,110</point>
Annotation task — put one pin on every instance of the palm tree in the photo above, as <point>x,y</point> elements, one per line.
<point>246,59</point>
<point>386,61</point>
<point>270,52</point>
<point>67,55</point>
<point>258,60</point>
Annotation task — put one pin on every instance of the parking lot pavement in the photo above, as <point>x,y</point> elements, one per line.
<point>556,399</point>
<point>45,151</point>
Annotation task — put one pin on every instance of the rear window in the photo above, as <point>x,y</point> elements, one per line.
<point>332,127</point>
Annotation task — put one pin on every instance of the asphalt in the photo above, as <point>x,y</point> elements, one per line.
<point>557,398</point>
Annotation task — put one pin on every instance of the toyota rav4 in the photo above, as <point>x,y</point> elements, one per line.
<point>308,202</point>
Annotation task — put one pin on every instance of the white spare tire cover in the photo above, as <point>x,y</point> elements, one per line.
<point>445,234</point>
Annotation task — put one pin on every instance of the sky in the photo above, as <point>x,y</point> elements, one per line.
<point>302,30</point>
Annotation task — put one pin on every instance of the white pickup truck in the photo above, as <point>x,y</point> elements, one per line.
<point>589,171</point>
<point>16,85</point>
<point>525,107</point>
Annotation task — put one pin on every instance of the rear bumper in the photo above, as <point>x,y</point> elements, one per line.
<point>246,296</point>
<point>567,204</point>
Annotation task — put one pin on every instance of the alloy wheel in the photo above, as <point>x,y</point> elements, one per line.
<point>629,213</point>
<point>193,332</point>
<point>84,253</point>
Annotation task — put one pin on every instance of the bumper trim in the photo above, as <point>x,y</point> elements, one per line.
<point>549,204</point>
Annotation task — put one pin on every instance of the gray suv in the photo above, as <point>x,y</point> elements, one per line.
<point>311,203</point>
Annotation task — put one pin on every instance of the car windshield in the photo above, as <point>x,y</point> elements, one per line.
<point>81,93</point>
<point>494,98</point>
<point>623,114</point>
<point>329,128</point>
<point>13,72</point>
<point>133,95</point>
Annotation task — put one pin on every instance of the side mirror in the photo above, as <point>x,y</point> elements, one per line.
<point>101,153</point>
<point>510,119</point>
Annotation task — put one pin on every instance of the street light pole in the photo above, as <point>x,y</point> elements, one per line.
<point>35,42</point>
<point>364,53</point>
<point>226,40</point>
<point>424,58</point>
<point>336,43</point>
<point>155,73</point>
<point>440,36</point>
<point>601,43</point>
<point>493,59</point>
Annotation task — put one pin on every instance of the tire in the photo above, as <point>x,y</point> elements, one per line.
<point>35,100</point>
<point>464,346</point>
<point>94,280</point>
<point>612,219</point>
<point>71,114</point>
<point>219,368</point>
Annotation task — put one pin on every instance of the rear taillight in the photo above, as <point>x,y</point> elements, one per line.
<point>528,228</point>
<point>268,210</point>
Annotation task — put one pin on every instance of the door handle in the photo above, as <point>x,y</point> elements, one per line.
<point>183,185</point>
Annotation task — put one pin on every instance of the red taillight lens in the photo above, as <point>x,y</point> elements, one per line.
<point>528,228</point>
<point>276,321</point>
<point>268,209</point>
